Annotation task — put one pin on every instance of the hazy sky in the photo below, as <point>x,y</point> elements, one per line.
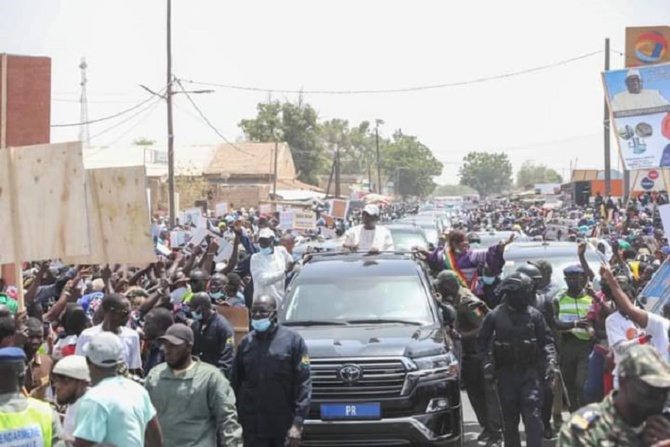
<point>552,116</point>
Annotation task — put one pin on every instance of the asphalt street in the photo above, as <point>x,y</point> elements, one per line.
<point>472,429</point>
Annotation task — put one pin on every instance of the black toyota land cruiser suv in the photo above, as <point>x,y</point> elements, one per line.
<point>383,369</point>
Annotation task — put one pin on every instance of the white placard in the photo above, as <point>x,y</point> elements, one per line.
<point>225,251</point>
<point>286,220</point>
<point>664,211</point>
<point>304,220</point>
<point>221,209</point>
<point>265,208</point>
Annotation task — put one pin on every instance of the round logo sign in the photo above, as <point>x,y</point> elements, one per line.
<point>653,174</point>
<point>647,183</point>
<point>651,47</point>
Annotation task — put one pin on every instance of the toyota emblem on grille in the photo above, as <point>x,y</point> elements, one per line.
<point>350,374</point>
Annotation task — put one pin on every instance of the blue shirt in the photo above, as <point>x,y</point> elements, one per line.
<point>115,411</point>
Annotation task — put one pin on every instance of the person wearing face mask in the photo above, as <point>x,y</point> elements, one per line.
<point>632,416</point>
<point>488,284</point>
<point>214,335</point>
<point>194,402</point>
<point>217,288</point>
<point>576,333</point>
<point>269,267</point>
<point>522,355</point>
<point>271,379</point>
<point>470,312</point>
<point>460,258</point>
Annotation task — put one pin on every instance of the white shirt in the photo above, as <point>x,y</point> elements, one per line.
<point>70,422</point>
<point>379,238</point>
<point>632,101</point>
<point>268,273</point>
<point>623,333</point>
<point>129,337</point>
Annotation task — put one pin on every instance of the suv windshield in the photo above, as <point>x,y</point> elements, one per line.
<point>359,298</point>
<point>406,240</point>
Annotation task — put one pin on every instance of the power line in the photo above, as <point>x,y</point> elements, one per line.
<point>149,111</point>
<point>403,89</point>
<point>106,118</point>
<point>208,122</point>
<point>120,123</point>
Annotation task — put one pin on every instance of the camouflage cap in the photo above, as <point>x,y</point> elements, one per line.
<point>447,277</point>
<point>643,362</point>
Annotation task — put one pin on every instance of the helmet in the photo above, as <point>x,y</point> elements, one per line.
<point>517,283</point>
<point>531,271</point>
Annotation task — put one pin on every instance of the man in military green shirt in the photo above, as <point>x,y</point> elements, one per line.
<point>633,415</point>
<point>470,312</point>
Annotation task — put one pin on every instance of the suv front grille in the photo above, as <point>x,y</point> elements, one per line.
<point>379,377</point>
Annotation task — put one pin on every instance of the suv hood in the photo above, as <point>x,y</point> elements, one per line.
<point>378,340</point>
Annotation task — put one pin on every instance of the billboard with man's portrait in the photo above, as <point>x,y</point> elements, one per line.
<point>639,102</point>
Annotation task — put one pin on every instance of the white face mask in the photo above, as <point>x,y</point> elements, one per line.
<point>177,295</point>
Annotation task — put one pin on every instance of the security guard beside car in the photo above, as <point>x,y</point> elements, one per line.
<point>542,303</point>
<point>576,333</point>
<point>518,353</point>
<point>24,420</point>
<point>271,379</point>
<point>470,313</point>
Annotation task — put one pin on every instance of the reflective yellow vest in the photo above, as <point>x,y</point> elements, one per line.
<point>31,426</point>
<point>573,309</point>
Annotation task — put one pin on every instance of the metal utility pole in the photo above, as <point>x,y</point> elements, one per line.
<point>606,123</point>
<point>274,185</point>
<point>337,171</point>
<point>379,169</point>
<point>170,128</point>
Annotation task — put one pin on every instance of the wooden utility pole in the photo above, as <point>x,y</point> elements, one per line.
<point>606,128</point>
<point>379,168</point>
<point>170,128</point>
<point>337,171</point>
<point>274,184</point>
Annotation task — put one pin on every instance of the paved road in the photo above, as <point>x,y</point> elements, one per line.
<point>472,429</point>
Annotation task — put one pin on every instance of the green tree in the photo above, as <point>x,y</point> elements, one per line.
<point>410,165</point>
<point>530,174</point>
<point>143,141</point>
<point>453,190</point>
<point>298,125</point>
<point>356,145</point>
<point>487,173</point>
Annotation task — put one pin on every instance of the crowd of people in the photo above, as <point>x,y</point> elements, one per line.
<point>133,356</point>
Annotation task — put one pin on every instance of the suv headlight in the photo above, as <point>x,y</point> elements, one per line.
<point>443,366</point>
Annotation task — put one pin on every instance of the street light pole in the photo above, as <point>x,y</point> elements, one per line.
<point>170,127</point>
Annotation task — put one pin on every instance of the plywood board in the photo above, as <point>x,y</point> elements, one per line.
<point>120,222</point>
<point>48,215</point>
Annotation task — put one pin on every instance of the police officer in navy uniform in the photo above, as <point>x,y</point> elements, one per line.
<point>518,351</point>
<point>23,418</point>
<point>271,379</point>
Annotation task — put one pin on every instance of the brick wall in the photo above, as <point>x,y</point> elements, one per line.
<point>28,113</point>
<point>28,108</point>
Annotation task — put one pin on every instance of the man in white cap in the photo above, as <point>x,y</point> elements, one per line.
<point>269,266</point>
<point>636,97</point>
<point>115,410</point>
<point>71,380</point>
<point>369,236</point>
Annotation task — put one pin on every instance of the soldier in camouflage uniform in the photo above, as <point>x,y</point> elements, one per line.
<point>630,417</point>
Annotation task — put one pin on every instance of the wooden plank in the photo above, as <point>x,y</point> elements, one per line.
<point>238,318</point>
<point>120,221</point>
<point>51,200</point>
